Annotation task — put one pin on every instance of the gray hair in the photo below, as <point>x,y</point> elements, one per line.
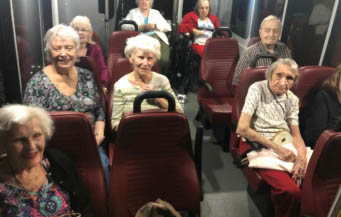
<point>11,115</point>
<point>63,31</point>
<point>197,5</point>
<point>288,62</point>
<point>151,3</point>
<point>271,17</point>
<point>145,43</point>
<point>86,21</point>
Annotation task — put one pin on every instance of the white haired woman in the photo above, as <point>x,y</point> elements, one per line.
<point>270,107</point>
<point>143,51</point>
<point>151,22</point>
<point>61,86</point>
<point>30,175</point>
<point>83,27</point>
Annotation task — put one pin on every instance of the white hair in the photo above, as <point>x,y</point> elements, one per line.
<point>271,17</point>
<point>287,62</point>
<point>14,114</point>
<point>62,31</point>
<point>86,21</point>
<point>144,43</point>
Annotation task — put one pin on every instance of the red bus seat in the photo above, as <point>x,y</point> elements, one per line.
<point>153,159</point>
<point>117,43</point>
<point>75,137</point>
<point>323,176</point>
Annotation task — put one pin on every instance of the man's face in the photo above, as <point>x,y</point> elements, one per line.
<point>270,32</point>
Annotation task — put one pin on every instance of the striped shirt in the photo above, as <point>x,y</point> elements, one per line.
<point>281,51</point>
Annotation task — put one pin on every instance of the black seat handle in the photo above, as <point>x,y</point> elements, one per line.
<point>131,22</point>
<point>219,31</point>
<point>206,29</point>
<point>154,94</point>
<point>253,63</point>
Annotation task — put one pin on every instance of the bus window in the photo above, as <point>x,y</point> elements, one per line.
<point>333,52</point>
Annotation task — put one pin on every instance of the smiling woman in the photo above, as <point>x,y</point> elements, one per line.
<point>27,183</point>
<point>143,51</point>
<point>61,86</point>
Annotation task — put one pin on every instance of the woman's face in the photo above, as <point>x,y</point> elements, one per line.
<point>204,8</point>
<point>63,53</point>
<point>142,62</point>
<point>144,4</point>
<point>282,80</point>
<point>83,31</point>
<point>25,145</point>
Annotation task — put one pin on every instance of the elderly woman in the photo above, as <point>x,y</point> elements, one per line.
<point>201,24</point>
<point>151,22</point>
<point>270,107</point>
<point>61,86</point>
<point>325,111</point>
<point>89,48</point>
<point>143,51</point>
<point>28,175</point>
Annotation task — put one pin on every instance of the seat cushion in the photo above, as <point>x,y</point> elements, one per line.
<point>217,110</point>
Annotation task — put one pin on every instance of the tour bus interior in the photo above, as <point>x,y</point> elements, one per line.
<point>23,24</point>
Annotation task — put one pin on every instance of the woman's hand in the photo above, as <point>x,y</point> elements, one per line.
<point>147,27</point>
<point>99,132</point>
<point>99,138</point>
<point>298,170</point>
<point>197,32</point>
<point>285,154</point>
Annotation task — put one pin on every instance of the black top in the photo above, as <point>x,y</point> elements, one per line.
<point>64,174</point>
<point>324,113</point>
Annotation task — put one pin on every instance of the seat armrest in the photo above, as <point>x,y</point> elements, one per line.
<point>206,85</point>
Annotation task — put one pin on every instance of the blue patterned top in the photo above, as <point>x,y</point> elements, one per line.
<point>40,91</point>
<point>50,200</point>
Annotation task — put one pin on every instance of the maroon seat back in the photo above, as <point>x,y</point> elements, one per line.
<point>90,64</point>
<point>310,78</point>
<point>75,137</point>
<point>153,159</point>
<point>247,77</point>
<point>217,66</point>
<point>323,176</point>
<point>253,41</point>
<point>117,43</point>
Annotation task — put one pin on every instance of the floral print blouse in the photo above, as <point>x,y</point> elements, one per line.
<point>49,200</point>
<point>40,91</point>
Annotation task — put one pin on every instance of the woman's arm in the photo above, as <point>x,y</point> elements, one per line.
<point>244,130</point>
<point>161,24</point>
<point>188,23</point>
<point>99,131</point>
<point>300,162</point>
<point>117,107</point>
<point>167,87</point>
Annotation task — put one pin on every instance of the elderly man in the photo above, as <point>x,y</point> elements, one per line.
<point>270,108</point>
<point>269,32</point>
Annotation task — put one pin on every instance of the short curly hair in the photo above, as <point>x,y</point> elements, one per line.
<point>145,43</point>
<point>63,31</point>
<point>14,114</point>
